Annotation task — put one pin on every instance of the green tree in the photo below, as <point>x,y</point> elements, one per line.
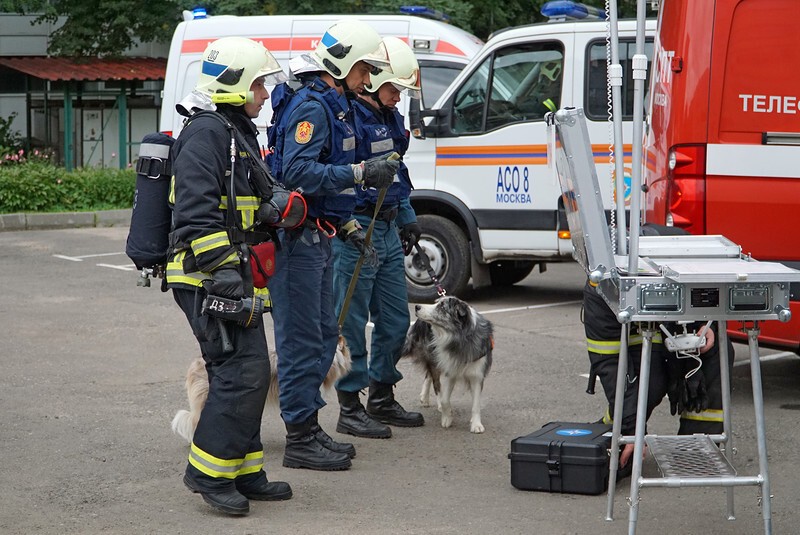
<point>109,27</point>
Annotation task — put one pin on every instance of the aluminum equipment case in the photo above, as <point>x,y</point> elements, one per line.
<point>564,457</point>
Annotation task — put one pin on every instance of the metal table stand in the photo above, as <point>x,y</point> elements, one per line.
<point>677,278</point>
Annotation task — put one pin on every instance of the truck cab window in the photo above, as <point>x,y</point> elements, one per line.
<point>596,95</point>
<point>516,84</point>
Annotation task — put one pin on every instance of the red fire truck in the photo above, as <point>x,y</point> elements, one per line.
<point>722,153</point>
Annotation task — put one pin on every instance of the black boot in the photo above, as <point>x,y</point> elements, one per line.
<point>228,501</point>
<point>304,451</point>
<point>382,406</point>
<point>326,440</point>
<point>257,487</point>
<point>354,420</point>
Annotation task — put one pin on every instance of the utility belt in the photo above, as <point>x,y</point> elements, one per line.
<point>250,237</point>
<point>386,213</point>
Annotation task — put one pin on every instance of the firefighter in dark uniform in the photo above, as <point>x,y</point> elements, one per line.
<point>698,398</point>
<point>380,292</point>
<point>226,459</point>
<point>313,148</point>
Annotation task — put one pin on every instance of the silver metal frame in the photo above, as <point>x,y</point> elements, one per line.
<point>693,278</point>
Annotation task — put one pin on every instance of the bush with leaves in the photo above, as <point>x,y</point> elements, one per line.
<point>10,139</point>
<point>39,186</point>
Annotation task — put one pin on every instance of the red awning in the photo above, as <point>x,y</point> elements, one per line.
<point>89,69</point>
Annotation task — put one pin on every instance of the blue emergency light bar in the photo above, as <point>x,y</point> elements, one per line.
<point>424,11</point>
<point>564,9</point>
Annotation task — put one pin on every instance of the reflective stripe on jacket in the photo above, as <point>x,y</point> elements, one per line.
<point>612,347</point>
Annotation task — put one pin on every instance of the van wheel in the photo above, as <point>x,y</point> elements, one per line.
<point>447,250</point>
<point>509,272</point>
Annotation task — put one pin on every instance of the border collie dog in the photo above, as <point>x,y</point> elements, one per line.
<point>451,342</point>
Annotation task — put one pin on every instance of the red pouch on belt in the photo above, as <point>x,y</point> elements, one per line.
<point>262,263</point>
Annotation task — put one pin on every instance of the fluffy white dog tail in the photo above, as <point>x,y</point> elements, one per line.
<point>182,425</point>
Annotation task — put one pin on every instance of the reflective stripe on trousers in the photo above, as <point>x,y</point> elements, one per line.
<point>225,468</point>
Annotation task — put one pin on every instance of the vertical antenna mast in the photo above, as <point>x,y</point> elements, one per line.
<point>615,80</point>
<point>639,76</point>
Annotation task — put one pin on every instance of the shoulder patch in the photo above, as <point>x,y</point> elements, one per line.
<point>303,132</point>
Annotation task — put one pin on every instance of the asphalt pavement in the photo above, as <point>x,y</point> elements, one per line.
<point>93,370</point>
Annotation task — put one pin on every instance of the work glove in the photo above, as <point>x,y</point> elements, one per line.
<point>269,213</point>
<point>354,234</point>
<point>695,394</point>
<point>286,209</point>
<point>377,172</point>
<point>227,282</point>
<point>409,235</point>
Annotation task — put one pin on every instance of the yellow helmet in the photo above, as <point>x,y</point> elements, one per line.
<point>231,64</point>
<point>404,73</point>
<point>346,43</point>
<point>550,70</point>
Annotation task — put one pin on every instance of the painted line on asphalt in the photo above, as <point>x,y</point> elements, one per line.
<point>514,309</point>
<point>126,267</point>
<point>81,257</point>
<point>530,307</point>
<point>766,358</point>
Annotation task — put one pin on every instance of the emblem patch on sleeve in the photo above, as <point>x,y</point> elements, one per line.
<point>303,132</point>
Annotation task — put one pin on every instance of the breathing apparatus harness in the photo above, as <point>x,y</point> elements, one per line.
<point>288,212</point>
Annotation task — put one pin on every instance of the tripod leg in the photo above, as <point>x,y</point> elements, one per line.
<point>619,400</point>
<point>761,431</point>
<point>641,422</point>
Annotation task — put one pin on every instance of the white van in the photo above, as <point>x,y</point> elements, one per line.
<point>489,207</point>
<point>442,50</point>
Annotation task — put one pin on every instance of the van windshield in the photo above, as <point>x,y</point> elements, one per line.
<point>517,83</point>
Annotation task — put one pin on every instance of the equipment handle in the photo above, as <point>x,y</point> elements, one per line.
<point>227,346</point>
<point>592,381</point>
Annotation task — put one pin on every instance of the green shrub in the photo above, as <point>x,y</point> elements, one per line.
<point>10,139</point>
<point>38,186</point>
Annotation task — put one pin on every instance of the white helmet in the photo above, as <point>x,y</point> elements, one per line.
<point>346,43</point>
<point>231,64</point>
<point>404,73</point>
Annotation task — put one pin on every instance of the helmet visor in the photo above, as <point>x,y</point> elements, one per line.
<point>271,71</point>
<point>410,85</point>
<point>275,78</point>
<point>379,58</point>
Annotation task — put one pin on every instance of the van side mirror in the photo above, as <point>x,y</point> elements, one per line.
<point>416,122</point>
<point>415,119</point>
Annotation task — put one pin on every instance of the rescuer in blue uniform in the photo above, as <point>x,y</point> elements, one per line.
<point>313,148</point>
<point>380,292</point>
<point>226,457</point>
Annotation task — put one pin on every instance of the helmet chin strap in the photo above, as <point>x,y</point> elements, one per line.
<point>374,96</point>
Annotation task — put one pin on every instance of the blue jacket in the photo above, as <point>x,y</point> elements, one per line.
<point>313,146</point>
<point>381,131</point>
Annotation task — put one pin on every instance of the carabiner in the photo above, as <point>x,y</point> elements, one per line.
<point>321,227</point>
